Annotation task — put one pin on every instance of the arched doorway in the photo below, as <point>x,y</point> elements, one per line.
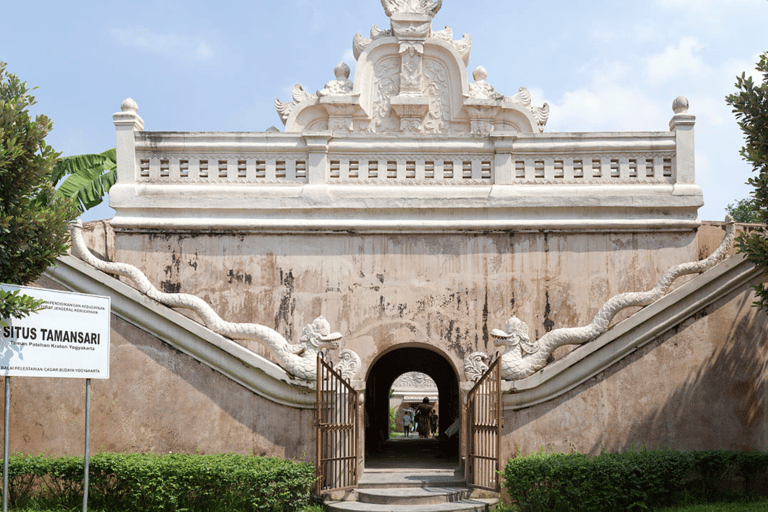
<point>383,374</point>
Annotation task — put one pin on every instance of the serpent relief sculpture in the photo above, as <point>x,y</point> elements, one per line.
<point>521,358</point>
<point>299,360</point>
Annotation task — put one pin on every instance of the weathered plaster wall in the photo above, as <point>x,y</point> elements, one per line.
<point>157,399</point>
<point>379,291</point>
<point>701,386</point>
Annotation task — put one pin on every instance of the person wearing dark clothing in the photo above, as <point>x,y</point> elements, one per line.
<point>422,417</point>
<point>433,422</point>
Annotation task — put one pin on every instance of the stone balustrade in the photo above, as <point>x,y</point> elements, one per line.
<point>241,158</point>
<point>316,180</point>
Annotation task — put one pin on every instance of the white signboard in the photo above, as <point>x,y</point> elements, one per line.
<point>69,338</point>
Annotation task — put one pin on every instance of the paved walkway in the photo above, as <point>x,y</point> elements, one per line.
<point>409,453</point>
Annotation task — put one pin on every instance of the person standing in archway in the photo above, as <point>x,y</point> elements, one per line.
<point>433,422</point>
<point>407,424</point>
<point>422,417</point>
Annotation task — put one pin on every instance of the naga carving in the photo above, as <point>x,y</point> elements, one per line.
<point>521,358</point>
<point>299,360</point>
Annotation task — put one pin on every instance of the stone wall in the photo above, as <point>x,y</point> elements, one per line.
<point>158,400</point>
<point>700,386</point>
<point>380,291</point>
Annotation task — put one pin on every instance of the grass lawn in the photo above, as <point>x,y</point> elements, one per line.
<point>722,507</point>
<point>756,506</point>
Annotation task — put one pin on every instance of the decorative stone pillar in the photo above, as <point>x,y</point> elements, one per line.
<point>481,113</point>
<point>411,110</point>
<point>341,111</point>
<point>682,124</point>
<point>127,121</point>
<point>411,30</point>
<point>317,149</point>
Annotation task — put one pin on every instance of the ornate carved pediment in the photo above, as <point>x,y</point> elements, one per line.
<point>411,79</point>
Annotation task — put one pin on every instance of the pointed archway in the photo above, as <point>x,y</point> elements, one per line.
<point>383,373</point>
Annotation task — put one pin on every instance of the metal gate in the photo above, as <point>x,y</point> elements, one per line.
<point>336,419</point>
<point>484,431</point>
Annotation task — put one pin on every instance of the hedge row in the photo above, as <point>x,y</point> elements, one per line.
<point>172,482</point>
<point>636,480</point>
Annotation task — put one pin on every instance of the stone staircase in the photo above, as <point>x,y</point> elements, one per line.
<point>417,490</point>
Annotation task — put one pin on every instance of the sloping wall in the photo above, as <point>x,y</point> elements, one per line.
<point>700,385</point>
<point>159,399</point>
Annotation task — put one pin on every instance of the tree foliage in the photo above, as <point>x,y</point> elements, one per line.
<point>750,104</point>
<point>744,211</point>
<point>88,177</point>
<point>33,221</point>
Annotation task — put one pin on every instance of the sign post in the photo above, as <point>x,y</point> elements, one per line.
<point>68,338</point>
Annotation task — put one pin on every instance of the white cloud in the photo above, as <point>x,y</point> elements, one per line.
<point>674,63</point>
<point>735,68</point>
<point>711,15</point>
<point>614,101</point>
<point>704,4</point>
<point>169,45</point>
<point>607,108</point>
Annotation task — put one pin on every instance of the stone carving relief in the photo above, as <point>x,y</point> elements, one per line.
<point>463,45</point>
<point>438,91</point>
<point>411,7</point>
<point>400,91</point>
<point>410,74</point>
<point>360,43</point>
<point>386,86</point>
<point>299,360</point>
<point>521,358</point>
<point>299,94</point>
<point>414,380</point>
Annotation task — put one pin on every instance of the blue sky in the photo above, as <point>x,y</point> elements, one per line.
<point>217,66</point>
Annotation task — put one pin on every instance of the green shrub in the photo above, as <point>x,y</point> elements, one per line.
<point>636,480</point>
<point>172,482</point>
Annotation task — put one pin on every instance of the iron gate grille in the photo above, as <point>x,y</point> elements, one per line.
<point>484,430</point>
<point>336,419</point>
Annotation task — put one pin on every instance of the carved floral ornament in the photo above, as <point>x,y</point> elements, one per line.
<point>410,60</point>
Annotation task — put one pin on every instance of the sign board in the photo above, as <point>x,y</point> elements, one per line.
<point>69,338</point>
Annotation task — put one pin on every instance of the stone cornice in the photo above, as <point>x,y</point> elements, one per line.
<point>223,355</point>
<point>629,335</point>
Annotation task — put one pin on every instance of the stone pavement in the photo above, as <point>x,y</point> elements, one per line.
<point>412,475</point>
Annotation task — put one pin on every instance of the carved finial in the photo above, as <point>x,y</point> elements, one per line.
<point>341,70</point>
<point>481,89</point>
<point>341,84</point>
<point>479,74</point>
<point>130,106</point>
<point>680,105</point>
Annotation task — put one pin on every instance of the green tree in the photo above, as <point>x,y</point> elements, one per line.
<point>88,177</point>
<point>33,221</point>
<point>744,210</point>
<point>750,104</point>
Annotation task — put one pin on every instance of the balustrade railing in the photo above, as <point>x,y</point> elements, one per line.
<point>221,158</point>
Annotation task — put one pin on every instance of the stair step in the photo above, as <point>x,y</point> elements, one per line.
<point>466,505</point>
<point>380,479</point>
<point>412,496</point>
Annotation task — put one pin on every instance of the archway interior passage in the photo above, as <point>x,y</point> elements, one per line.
<point>408,391</point>
<point>380,379</point>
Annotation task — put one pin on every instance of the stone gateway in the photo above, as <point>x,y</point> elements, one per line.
<point>409,219</point>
